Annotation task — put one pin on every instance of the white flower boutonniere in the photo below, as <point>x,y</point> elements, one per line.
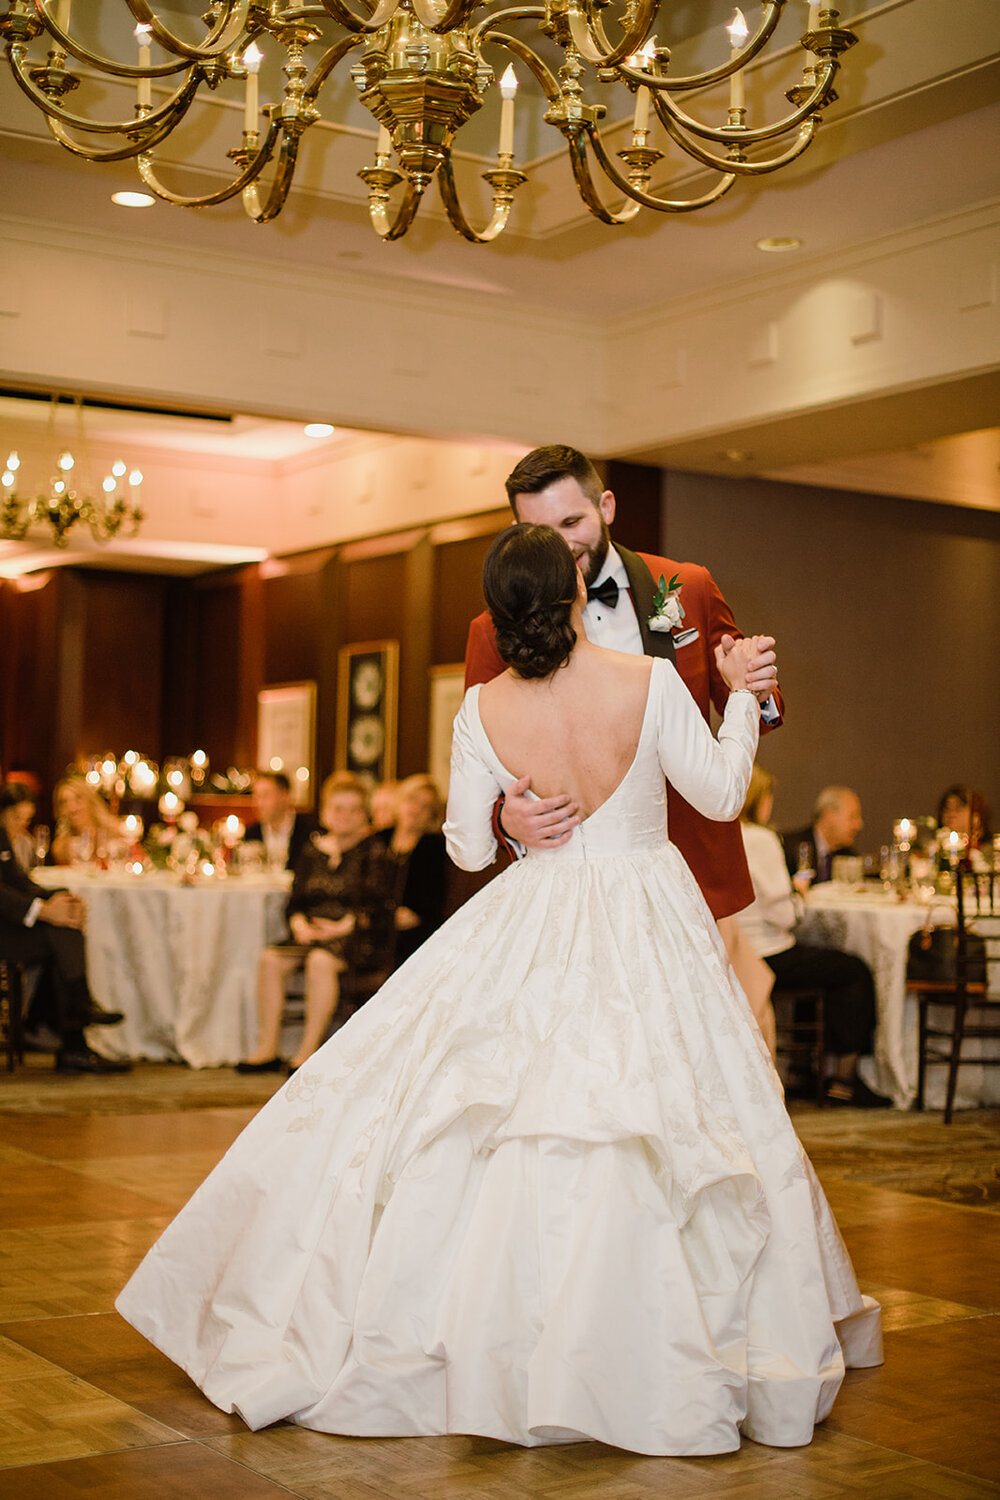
<point>668,611</point>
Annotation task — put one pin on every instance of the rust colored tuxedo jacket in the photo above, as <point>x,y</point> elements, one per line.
<point>714,851</point>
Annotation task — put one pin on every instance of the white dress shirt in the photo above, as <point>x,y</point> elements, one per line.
<point>616,629</point>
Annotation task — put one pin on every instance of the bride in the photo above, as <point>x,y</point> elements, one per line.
<point>543,1187</point>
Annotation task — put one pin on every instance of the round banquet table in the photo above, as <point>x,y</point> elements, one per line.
<point>878,927</point>
<point>180,961</point>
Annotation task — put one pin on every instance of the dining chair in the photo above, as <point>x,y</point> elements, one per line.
<point>12,1011</point>
<point>798,1023</point>
<point>966,1007</point>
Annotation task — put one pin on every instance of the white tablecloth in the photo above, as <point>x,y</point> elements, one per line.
<point>878,928</point>
<point>179,961</point>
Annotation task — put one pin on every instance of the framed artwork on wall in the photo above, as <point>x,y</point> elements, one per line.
<point>447,692</point>
<point>367,701</point>
<point>286,735</point>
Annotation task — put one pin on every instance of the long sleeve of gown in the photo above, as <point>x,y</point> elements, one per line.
<point>711,773</point>
<point>472,791</point>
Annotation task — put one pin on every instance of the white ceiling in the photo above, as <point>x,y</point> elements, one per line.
<point>913,138</point>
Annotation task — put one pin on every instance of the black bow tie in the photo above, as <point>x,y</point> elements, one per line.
<point>604,593</point>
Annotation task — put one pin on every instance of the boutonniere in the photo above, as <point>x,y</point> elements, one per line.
<point>668,611</point>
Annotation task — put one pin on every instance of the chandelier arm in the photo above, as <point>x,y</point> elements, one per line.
<point>116,153</point>
<point>344,16</point>
<point>219,40</point>
<point>331,57</point>
<point>171,109</point>
<point>649,200</point>
<point>576,144</point>
<point>513,13</point>
<point>457,13</point>
<point>755,44</point>
<point>104,64</point>
<point>280,186</point>
<point>394,229</point>
<point>449,196</point>
<point>546,78</point>
<point>591,41</point>
<point>807,133</point>
<point>739,135</point>
<point>249,172</point>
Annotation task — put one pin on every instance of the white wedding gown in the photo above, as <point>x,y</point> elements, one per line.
<point>543,1186</point>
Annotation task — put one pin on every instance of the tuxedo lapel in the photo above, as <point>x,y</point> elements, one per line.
<point>643,586</point>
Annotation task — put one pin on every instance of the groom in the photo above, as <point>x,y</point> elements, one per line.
<point>559,487</point>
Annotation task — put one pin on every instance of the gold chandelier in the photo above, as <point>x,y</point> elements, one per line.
<point>61,506</point>
<point>423,68</point>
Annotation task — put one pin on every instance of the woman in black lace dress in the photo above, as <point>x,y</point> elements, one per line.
<point>340,915</point>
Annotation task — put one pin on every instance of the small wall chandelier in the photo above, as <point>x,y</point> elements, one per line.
<point>423,68</point>
<point>61,506</point>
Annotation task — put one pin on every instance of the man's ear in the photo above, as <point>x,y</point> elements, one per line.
<point>606,506</point>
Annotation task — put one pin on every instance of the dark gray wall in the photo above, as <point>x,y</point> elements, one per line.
<point>887,616</point>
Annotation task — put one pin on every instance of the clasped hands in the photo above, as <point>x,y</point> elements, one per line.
<point>546,823</point>
<point>321,929</point>
<point>64,909</point>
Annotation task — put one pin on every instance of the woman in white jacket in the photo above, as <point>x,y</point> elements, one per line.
<point>769,925</point>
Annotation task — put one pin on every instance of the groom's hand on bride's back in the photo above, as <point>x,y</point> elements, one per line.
<point>543,823</point>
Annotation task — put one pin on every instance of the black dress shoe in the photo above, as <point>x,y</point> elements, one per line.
<point>86,1061</point>
<point>98,1016</point>
<point>270,1065</point>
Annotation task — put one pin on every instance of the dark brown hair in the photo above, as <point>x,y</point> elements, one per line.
<point>530,583</point>
<point>544,466</point>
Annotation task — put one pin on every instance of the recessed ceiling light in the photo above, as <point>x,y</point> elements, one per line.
<point>133,200</point>
<point>779,242</point>
<point>736,455</point>
<point>319,429</point>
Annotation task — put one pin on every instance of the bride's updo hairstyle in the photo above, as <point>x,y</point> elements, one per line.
<point>530,583</point>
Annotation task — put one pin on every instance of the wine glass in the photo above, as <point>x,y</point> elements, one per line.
<point>805,868</point>
<point>43,841</point>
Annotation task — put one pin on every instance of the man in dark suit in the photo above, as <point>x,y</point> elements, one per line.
<point>283,832</point>
<point>836,823</point>
<point>38,926</point>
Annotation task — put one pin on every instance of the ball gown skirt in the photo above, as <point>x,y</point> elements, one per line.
<point>542,1187</point>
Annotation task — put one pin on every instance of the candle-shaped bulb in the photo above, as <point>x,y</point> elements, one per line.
<point>135,478</point>
<point>13,460</point>
<point>738,30</point>
<point>66,461</point>
<point>252,59</point>
<point>738,33</point>
<point>508,89</point>
<point>144,94</point>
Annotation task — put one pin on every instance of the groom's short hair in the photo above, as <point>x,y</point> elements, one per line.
<point>544,466</point>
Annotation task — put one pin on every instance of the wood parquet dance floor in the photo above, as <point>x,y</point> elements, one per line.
<point>91,1170</point>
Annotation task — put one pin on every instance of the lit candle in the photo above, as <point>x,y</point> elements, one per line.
<point>144,94</point>
<point>384,144</point>
<point>738,33</point>
<point>508,89</point>
<point>640,120</point>
<point>252,59</point>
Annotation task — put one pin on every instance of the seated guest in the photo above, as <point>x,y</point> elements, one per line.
<point>283,831</point>
<point>417,847</point>
<point>836,824</point>
<point>84,822</point>
<point>383,805</point>
<point>42,927</point>
<point>17,810</point>
<point>962,810</point>
<point>339,913</point>
<point>844,979</point>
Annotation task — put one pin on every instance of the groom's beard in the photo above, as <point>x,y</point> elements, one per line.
<point>592,559</point>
